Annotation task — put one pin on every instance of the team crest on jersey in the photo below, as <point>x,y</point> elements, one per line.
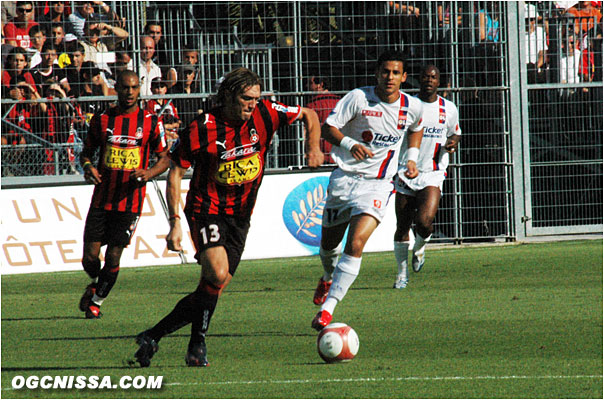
<point>254,136</point>
<point>139,132</point>
<point>442,116</point>
<point>239,171</point>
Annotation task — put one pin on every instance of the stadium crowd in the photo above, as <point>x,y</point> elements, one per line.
<point>57,49</point>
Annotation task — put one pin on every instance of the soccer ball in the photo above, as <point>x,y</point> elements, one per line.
<point>337,342</point>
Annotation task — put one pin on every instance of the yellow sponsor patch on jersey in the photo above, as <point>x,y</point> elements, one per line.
<point>239,171</point>
<point>121,158</point>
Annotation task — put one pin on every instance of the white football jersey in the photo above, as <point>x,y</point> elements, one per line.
<point>440,120</point>
<point>379,126</point>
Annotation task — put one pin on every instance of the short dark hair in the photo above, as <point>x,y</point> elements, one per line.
<point>36,29</point>
<point>151,23</point>
<point>317,79</point>
<point>15,50</point>
<point>236,82</point>
<point>390,55</point>
<point>56,25</point>
<point>22,3</point>
<point>89,68</point>
<point>48,45</point>
<point>426,67</point>
<point>77,46</point>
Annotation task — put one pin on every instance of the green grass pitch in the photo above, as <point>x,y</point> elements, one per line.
<point>511,321</point>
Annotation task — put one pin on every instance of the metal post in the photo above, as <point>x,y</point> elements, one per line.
<point>521,215</point>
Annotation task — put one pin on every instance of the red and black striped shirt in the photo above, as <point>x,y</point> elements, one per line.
<point>229,159</point>
<point>125,142</point>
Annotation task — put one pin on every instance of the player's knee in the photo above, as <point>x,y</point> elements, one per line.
<point>423,226</point>
<point>217,277</point>
<point>355,246</point>
<point>89,258</point>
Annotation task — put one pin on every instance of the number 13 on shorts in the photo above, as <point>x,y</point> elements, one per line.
<point>212,236</point>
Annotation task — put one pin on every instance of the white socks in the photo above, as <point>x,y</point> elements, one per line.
<point>344,275</point>
<point>420,243</point>
<point>97,300</point>
<point>329,259</point>
<point>401,253</point>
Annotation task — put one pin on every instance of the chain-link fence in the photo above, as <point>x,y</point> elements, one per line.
<point>526,77</point>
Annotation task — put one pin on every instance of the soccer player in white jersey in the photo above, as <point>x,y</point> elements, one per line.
<point>417,199</point>
<point>366,128</point>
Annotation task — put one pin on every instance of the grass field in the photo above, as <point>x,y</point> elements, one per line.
<point>517,321</point>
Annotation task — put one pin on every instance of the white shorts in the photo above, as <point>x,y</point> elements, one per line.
<point>351,194</point>
<point>410,187</point>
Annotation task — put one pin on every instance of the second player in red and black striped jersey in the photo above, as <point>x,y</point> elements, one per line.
<point>125,142</point>
<point>230,159</point>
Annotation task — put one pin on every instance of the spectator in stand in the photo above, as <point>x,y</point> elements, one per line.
<point>22,116</point>
<point>71,83</point>
<point>536,45</point>
<point>86,10</point>
<point>37,38</point>
<point>57,34</point>
<point>56,15</point>
<point>154,30</point>
<point>488,22</point>
<point>570,60</point>
<point>189,108</point>
<point>587,18</point>
<point>16,31</point>
<point>16,65</point>
<point>47,68</point>
<point>147,69</point>
<point>92,82</point>
<point>123,60</point>
<point>100,39</point>
<point>170,112</point>
<point>190,57</point>
<point>58,129</point>
<point>322,104</point>
<point>62,42</point>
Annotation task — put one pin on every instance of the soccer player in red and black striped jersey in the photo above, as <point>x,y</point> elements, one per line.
<point>125,136</point>
<point>227,146</point>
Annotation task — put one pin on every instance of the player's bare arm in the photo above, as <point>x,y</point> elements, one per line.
<point>314,155</point>
<point>175,176</point>
<point>145,175</point>
<point>451,144</point>
<point>91,174</point>
<point>337,138</point>
<point>415,140</point>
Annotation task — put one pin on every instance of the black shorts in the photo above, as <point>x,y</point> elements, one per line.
<point>219,230</point>
<point>110,227</point>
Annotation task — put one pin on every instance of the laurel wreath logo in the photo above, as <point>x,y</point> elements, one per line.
<point>310,212</point>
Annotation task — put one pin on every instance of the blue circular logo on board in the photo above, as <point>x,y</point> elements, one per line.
<point>303,210</point>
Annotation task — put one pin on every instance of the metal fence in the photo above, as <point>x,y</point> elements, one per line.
<point>526,77</point>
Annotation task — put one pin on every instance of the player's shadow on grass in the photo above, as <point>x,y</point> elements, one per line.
<point>184,335</point>
<point>55,318</point>
<point>269,289</point>
<point>33,369</point>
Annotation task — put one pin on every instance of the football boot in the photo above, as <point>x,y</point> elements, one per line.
<point>321,320</point>
<point>147,348</point>
<point>321,292</point>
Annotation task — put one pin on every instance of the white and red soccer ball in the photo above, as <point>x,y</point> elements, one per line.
<point>337,342</point>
